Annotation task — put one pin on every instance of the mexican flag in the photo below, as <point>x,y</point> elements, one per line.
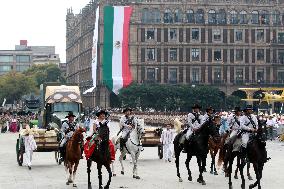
<point>116,70</point>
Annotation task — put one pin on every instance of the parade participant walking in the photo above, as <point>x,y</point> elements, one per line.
<point>166,139</point>
<point>270,124</point>
<point>127,122</point>
<point>67,129</point>
<point>30,145</point>
<point>249,125</point>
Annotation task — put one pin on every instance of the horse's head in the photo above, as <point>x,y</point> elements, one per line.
<point>260,136</point>
<point>78,134</point>
<point>213,126</point>
<point>140,127</point>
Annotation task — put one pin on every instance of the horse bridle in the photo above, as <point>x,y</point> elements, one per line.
<point>139,135</point>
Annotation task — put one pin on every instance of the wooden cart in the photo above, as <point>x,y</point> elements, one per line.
<point>152,139</point>
<point>44,143</point>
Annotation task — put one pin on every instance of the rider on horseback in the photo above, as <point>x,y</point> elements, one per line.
<point>67,129</point>
<point>248,125</point>
<point>127,123</point>
<point>234,124</point>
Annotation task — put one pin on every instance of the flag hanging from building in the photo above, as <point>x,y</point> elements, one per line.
<point>116,70</point>
<point>94,53</point>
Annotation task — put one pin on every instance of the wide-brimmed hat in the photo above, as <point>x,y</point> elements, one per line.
<point>210,108</point>
<point>127,109</point>
<point>70,114</point>
<point>237,109</point>
<point>195,106</point>
<point>101,112</point>
<point>248,107</point>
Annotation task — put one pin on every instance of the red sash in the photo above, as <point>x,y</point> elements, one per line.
<point>88,150</point>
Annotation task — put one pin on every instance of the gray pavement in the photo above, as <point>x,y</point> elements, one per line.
<point>154,173</point>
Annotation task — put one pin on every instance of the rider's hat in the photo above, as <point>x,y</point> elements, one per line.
<point>196,106</point>
<point>237,109</point>
<point>70,114</point>
<point>210,108</point>
<point>127,109</point>
<point>101,112</point>
<point>248,107</point>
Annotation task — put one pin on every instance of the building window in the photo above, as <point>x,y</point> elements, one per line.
<point>6,68</point>
<point>195,34</point>
<point>173,75</point>
<point>212,17</point>
<point>260,35</point>
<point>280,76</point>
<point>199,16</point>
<point>150,34</point>
<point>281,56</point>
<point>239,35</point>
<point>151,54</point>
<point>173,34</point>
<point>168,17</point>
<point>234,17</point>
<point>260,75</point>
<point>178,16</point>
<point>173,54</point>
<point>239,76</point>
<point>280,37</point>
<point>145,15</point>
<point>221,17</point>
<point>254,17</point>
<point>151,74</point>
<point>239,55</point>
<point>21,68</point>
<point>217,55</point>
<point>190,16</point>
<point>243,17</point>
<point>23,58</point>
<point>217,35</point>
<point>156,15</point>
<point>195,54</point>
<point>195,76</point>
<point>217,75</point>
<point>260,54</point>
<point>6,58</point>
<point>276,18</point>
<point>264,17</point>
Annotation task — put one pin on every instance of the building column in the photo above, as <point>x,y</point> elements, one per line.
<point>184,74</point>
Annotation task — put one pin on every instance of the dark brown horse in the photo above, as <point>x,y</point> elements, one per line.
<point>214,147</point>
<point>73,155</point>
<point>101,156</point>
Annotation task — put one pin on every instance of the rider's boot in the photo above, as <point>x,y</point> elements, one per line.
<point>243,152</point>
<point>122,143</point>
<point>62,154</point>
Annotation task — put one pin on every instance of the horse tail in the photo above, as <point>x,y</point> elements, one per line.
<point>222,152</point>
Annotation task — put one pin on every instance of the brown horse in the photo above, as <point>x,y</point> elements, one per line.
<point>73,155</point>
<point>214,147</point>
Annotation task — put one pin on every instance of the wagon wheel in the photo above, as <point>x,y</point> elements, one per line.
<point>160,151</point>
<point>19,152</point>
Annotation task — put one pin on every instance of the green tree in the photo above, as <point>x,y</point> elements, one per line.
<point>233,101</point>
<point>14,85</point>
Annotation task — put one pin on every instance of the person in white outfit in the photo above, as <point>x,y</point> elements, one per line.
<point>249,125</point>
<point>30,146</point>
<point>166,139</point>
<point>195,120</point>
<point>234,122</point>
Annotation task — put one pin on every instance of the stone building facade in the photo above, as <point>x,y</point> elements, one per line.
<point>225,43</point>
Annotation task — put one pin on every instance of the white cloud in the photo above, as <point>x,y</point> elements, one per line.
<point>41,22</point>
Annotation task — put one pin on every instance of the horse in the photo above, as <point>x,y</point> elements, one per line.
<point>73,155</point>
<point>133,147</point>
<point>101,156</point>
<point>256,154</point>
<point>214,146</point>
<point>197,147</point>
<point>237,169</point>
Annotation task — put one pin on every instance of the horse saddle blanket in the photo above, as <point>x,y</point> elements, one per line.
<point>90,147</point>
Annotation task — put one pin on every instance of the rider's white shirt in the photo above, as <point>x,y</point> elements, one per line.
<point>246,124</point>
<point>233,123</point>
<point>194,124</point>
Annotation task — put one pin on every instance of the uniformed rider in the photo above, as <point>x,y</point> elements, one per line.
<point>234,122</point>
<point>209,114</point>
<point>67,130</point>
<point>249,125</point>
<point>127,123</point>
<point>101,119</point>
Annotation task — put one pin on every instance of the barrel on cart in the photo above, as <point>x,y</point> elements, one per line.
<point>46,140</point>
<point>152,139</point>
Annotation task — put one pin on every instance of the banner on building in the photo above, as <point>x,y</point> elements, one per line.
<point>116,70</point>
<point>94,53</point>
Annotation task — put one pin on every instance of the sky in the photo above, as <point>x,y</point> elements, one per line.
<point>41,22</point>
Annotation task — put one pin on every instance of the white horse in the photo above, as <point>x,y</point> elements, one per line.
<point>133,147</point>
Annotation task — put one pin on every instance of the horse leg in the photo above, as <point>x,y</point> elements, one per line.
<point>134,160</point>
<point>74,173</point>
<point>237,168</point>
<point>187,166</point>
<point>248,173</point>
<point>242,165</point>
<point>70,167</point>
<point>177,150</point>
<point>201,165</point>
<point>229,171</point>
<point>99,168</point>
<point>107,166</point>
<point>257,182</point>
<point>214,162</point>
<point>120,160</point>
<point>89,164</point>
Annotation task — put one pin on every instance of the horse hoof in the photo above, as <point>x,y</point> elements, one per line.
<point>89,186</point>
<point>236,177</point>
<point>114,175</point>
<point>243,186</point>
<point>205,170</point>
<point>203,182</point>
<point>75,185</point>
<point>215,173</point>
<point>211,172</point>
<point>189,178</point>
<point>180,180</point>
<point>249,177</point>
<point>251,186</point>
<point>122,172</point>
<point>67,183</point>
<point>137,177</point>
<point>199,180</point>
<point>230,187</point>
<point>106,187</point>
